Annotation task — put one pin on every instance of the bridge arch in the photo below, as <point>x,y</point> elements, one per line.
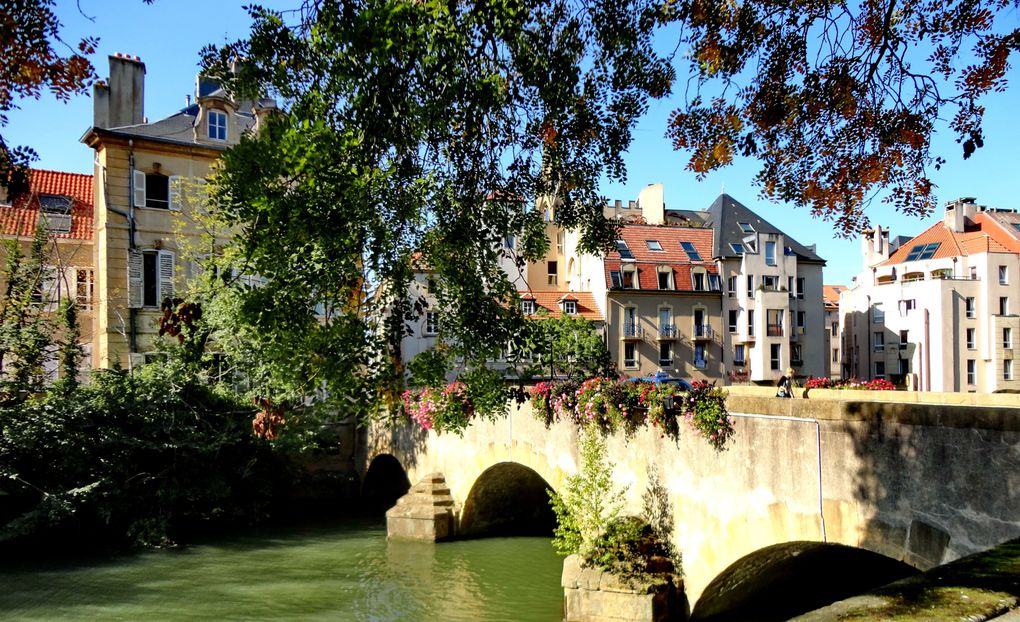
<point>385,481</point>
<point>508,499</point>
<point>784,580</point>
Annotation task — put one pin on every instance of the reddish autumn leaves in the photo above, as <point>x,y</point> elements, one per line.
<point>839,101</point>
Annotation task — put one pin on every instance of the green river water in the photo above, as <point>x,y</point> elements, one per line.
<point>344,572</point>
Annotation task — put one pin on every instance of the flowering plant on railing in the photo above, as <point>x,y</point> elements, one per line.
<point>879,384</point>
<point>601,401</point>
<point>662,401</point>
<point>444,410</point>
<point>704,408</point>
<point>540,395</point>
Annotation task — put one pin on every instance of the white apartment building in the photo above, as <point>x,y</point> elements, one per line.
<point>938,312</point>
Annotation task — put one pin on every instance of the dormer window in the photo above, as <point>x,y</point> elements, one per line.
<point>570,307</point>
<point>630,278</point>
<point>528,306</point>
<point>217,125</point>
<point>698,280</point>
<point>665,274</point>
<point>55,212</point>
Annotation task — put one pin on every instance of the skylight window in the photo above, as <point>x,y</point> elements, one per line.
<point>737,247</point>
<point>653,245</point>
<point>1016,226</point>
<point>624,250</point>
<point>55,203</point>
<point>922,251</point>
<point>746,227</point>
<point>690,250</point>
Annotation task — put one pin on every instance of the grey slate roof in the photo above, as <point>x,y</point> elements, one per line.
<point>723,216</point>
<point>177,128</point>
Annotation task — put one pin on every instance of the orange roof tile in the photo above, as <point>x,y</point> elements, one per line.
<point>830,294</point>
<point>979,238</point>
<point>1004,227</point>
<point>672,255</point>
<point>550,301</point>
<point>20,218</point>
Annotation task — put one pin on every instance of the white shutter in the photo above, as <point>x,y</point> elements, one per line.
<point>166,275</point>
<point>136,283</point>
<point>139,190</point>
<point>175,192</point>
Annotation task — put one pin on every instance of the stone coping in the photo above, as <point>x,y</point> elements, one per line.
<point>1002,413</point>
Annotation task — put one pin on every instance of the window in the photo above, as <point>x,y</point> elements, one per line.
<point>1003,275</point>
<point>561,241</point>
<point>770,253</point>
<point>551,268</point>
<point>774,319</point>
<point>570,307</point>
<point>1007,369</point>
<point>971,371</point>
<point>665,354</point>
<point>698,280</point>
<point>528,307</point>
<point>750,322</point>
<point>217,125</point>
<point>971,338</point>
<point>877,314</point>
<point>731,286</point>
<point>746,227</point>
<point>738,354</point>
<point>150,277</point>
<point>733,320</point>
<point>922,251</point>
<point>691,252</point>
<point>968,304</point>
<point>800,320</point>
<point>630,322</point>
<point>55,212</point>
<point>665,277</point>
<point>714,282</point>
<point>879,370</point>
<point>615,279</point>
<point>737,247</point>
<point>795,354</point>
<point>431,323</point>
<point>1003,305</point>
<point>84,287</point>
<point>973,273</point>
<point>906,306</point>
<point>835,355</point>
<point>770,283</point>
<point>904,339</point>
<point>1007,338</point>
<point>789,285</point>
<point>630,280</point>
<point>775,356</point>
<point>801,286</point>
<point>878,341</point>
<point>835,329</point>
<point>699,356</point>
<point>630,355</point>
<point>624,250</point>
<point>750,285</point>
<point>666,327</point>
<point>509,242</point>
<point>902,366</point>
<point>1016,226</point>
<point>156,190</point>
<point>653,245</point>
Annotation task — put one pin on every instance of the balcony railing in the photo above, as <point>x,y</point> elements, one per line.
<point>667,331</point>
<point>631,331</point>
<point>774,330</point>
<point>666,362</point>
<point>703,331</point>
<point>700,363</point>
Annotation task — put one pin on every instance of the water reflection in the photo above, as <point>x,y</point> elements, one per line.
<point>326,573</point>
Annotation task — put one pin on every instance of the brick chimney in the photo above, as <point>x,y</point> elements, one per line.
<point>119,101</point>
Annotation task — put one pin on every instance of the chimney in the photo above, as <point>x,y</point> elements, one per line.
<point>653,207</point>
<point>124,97</point>
<point>875,245</point>
<point>957,212</point>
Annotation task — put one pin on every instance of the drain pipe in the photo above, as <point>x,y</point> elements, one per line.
<point>818,453</point>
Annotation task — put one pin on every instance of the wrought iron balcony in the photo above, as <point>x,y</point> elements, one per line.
<point>631,331</point>
<point>667,332</point>
<point>703,332</point>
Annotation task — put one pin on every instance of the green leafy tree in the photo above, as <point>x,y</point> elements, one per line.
<point>417,131</point>
<point>565,345</point>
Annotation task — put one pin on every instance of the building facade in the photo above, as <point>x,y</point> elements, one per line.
<point>939,311</point>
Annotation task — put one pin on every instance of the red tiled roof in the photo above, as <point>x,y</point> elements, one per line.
<point>830,294</point>
<point>550,301</point>
<point>20,218</point>
<point>1002,227</point>
<point>980,237</point>
<point>672,255</point>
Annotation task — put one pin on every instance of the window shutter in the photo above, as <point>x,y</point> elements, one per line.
<point>176,186</point>
<point>139,190</point>
<point>136,286</point>
<point>166,275</point>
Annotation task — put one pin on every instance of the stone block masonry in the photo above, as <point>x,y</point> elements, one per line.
<point>425,513</point>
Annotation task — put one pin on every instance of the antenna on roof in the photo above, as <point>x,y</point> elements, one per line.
<point>722,188</point>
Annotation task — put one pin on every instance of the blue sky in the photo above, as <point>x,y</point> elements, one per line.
<point>168,34</point>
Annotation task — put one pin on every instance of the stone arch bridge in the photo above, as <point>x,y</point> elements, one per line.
<point>924,483</point>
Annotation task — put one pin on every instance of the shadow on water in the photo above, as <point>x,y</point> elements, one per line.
<point>784,580</point>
